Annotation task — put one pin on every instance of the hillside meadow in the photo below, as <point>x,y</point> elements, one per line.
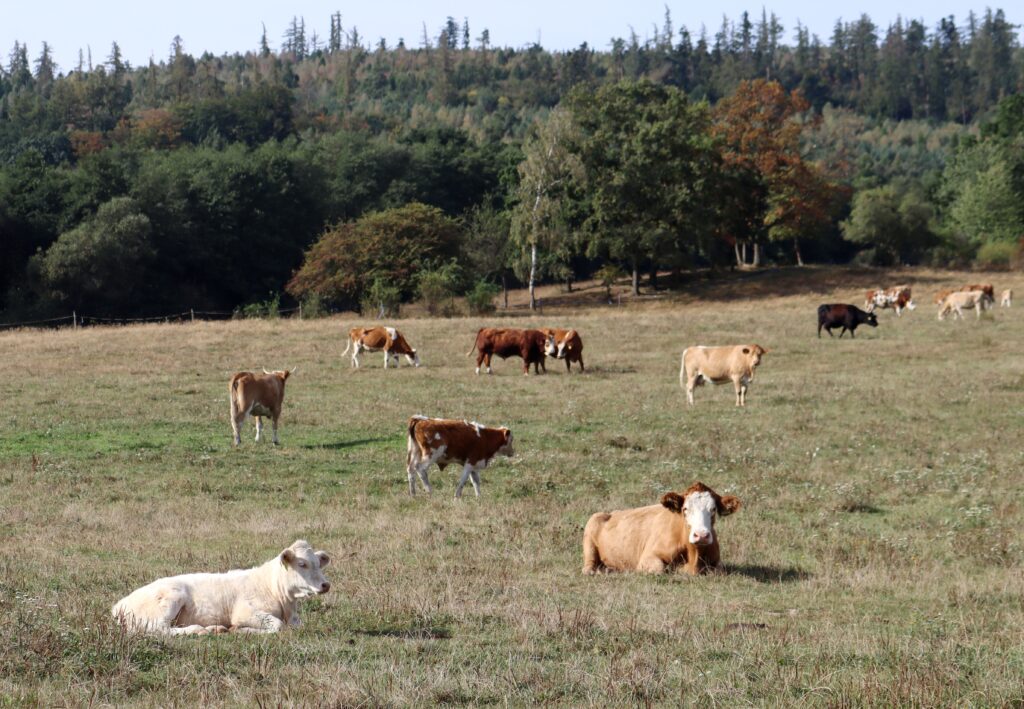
<point>876,561</point>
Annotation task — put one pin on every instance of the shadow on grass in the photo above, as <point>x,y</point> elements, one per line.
<point>426,633</point>
<point>768,574</point>
<point>340,445</point>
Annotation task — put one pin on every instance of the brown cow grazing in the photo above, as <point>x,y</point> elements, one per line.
<point>678,531</point>
<point>510,342</point>
<point>564,344</point>
<point>257,395</point>
<point>735,363</point>
<point>1005,298</point>
<point>448,441</point>
<point>959,301</point>
<point>375,339</point>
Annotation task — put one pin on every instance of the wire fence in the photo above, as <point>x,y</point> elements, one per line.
<point>76,321</point>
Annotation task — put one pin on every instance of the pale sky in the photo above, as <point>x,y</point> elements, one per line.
<point>145,30</point>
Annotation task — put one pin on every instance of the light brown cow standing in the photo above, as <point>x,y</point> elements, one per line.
<point>257,395</point>
<point>448,441</point>
<point>735,363</point>
<point>959,301</point>
<point>678,530</point>
<point>375,339</point>
<point>1005,298</point>
<point>564,344</point>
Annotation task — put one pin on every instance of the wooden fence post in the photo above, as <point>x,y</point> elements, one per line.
<point>74,320</point>
<point>193,312</point>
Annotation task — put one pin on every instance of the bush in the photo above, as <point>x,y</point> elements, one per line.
<point>996,254</point>
<point>269,308</point>
<point>481,299</point>
<point>437,285</point>
<point>608,274</point>
<point>313,307</point>
<point>381,300</point>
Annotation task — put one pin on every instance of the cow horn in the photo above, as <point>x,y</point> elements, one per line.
<point>292,370</point>
<point>266,372</point>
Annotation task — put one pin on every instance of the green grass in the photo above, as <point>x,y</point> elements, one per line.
<point>877,559</point>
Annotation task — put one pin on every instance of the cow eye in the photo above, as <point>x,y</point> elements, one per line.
<point>302,564</point>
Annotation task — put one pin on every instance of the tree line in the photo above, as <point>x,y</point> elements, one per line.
<point>213,182</point>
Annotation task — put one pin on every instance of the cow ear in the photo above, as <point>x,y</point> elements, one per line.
<point>287,557</point>
<point>727,504</point>
<point>673,501</point>
<point>324,558</point>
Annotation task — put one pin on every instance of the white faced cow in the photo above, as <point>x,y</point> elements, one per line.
<point>263,599</point>
<point>376,339</point>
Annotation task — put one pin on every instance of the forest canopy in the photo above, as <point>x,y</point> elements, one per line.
<point>213,182</point>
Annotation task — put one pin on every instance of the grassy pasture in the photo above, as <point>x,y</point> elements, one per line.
<point>877,559</point>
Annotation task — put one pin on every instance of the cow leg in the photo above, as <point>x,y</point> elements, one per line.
<point>424,472</point>
<point>651,565</point>
<point>462,481</point>
<point>387,357</point>
<point>479,360</point>
<point>236,424</point>
<point>691,383</point>
<point>738,385</point>
<point>842,332</point>
<point>474,477</point>
<point>488,358</point>
<point>355,354</point>
<point>259,428</point>
<point>274,424</point>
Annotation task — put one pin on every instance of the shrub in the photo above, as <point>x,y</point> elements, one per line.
<point>996,254</point>
<point>481,299</point>
<point>436,285</point>
<point>313,307</point>
<point>381,300</point>
<point>269,308</point>
<point>608,274</point>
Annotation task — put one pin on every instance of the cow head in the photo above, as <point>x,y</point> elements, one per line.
<point>699,505</point>
<point>506,448</point>
<point>414,358</point>
<point>754,354</point>
<point>303,568</point>
<point>281,374</point>
<point>551,348</point>
<point>871,319</point>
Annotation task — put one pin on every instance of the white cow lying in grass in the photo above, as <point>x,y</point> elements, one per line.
<point>263,599</point>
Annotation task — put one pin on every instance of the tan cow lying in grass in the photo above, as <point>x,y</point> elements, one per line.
<point>679,530</point>
<point>263,599</point>
<point>735,363</point>
<point>257,395</point>
<point>448,441</point>
<point>376,339</point>
<point>959,301</point>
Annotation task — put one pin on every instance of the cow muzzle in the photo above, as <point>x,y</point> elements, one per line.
<point>701,538</point>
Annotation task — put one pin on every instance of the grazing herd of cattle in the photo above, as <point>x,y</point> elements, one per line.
<point>676,532</point>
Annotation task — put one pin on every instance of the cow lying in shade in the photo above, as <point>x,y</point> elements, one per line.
<point>732,363</point>
<point>257,395</point>
<point>678,531</point>
<point>376,339</point>
<point>263,599</point>
<point>564,344</point>
<point>448,441</point>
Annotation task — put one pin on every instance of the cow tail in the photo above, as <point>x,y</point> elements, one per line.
<point>412,441</point>
<point>474,343</point>
<point>233,395</point>
<point>682,369</point>
<point>347,348</point>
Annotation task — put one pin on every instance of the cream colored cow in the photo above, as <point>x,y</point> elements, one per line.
<point>735,363</point>
<point>959,301</point>
<point>263,599</point>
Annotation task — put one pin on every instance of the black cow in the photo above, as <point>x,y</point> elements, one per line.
<point>846,316</point>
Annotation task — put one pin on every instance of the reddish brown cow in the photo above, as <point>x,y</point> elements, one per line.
<point>375,339</point>
<point>564,344</point>
<point>447,441</point>
<point>679,530</point>
<point>256,395</point>
<point>986,288</point>
<point>510,342</point>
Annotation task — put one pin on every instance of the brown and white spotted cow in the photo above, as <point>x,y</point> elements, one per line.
<point>257,395</point>
<point>564,344</point>
<point>449,441</point>
<point>680,530</point>
<point>375,339</point>
<point>897,298</point>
